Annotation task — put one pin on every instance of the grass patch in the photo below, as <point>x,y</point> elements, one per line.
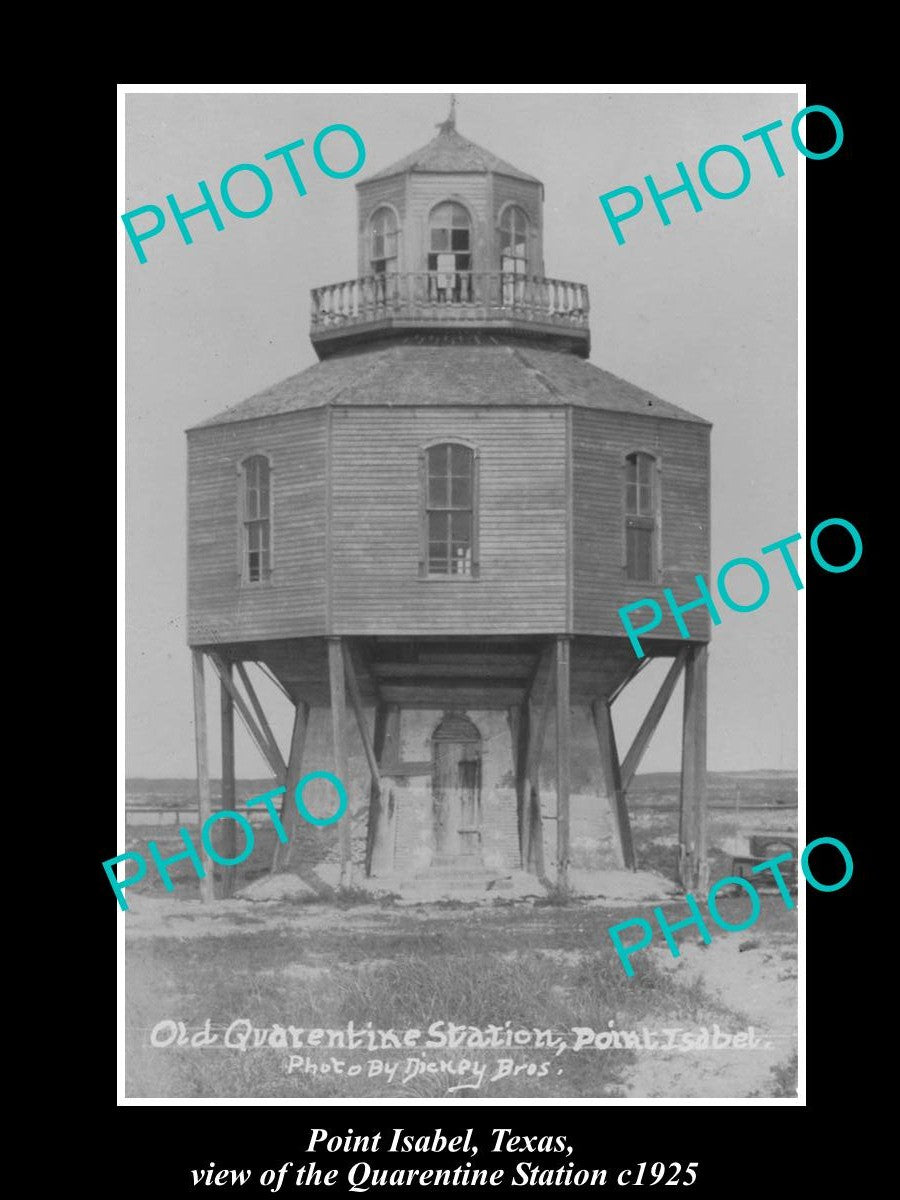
<point>535,968</point>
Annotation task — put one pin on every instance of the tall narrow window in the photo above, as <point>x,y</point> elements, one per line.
<point>640,516</point>
<point>383,256</point>
<point>449,254</point>
<point>450,509</point>
<point>513,252</point>
<point>257,519</point>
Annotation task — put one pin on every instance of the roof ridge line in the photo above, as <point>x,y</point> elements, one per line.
<point>538,374</point>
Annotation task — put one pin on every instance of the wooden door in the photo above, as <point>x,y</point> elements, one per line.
<point>457,799</point>
<point>446,799</point>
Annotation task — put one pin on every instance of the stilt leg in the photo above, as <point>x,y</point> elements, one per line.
<point>693,868</point>
<point>207,885</point>
<point>338,724</point>
<point>284,850</point>
<point>612,776</point>
<point>563,765</point>
<point>229,829</point>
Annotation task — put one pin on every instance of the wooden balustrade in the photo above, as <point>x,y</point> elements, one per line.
<point>455,296</point>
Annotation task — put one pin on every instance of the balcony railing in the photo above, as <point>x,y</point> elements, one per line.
<point>456,297</point>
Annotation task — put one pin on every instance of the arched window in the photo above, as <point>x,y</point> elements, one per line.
<point>640,516</point>
<point>513,241</point>
<point>257,518</point>
<point>449,254</point>
<point>513,253</point>
<point>450,487</point>
<point>383,250</point>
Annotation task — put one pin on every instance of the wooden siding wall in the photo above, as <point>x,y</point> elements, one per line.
<point>220,607</point>
<point>369,197</point>
<point>376,523</point>
<point>600,442</point>
<point>528,197</point>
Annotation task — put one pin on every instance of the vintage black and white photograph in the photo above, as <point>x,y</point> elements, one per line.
<point>461,625</point>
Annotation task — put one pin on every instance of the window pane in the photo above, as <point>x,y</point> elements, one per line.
<point>461,492</point>
<point>253,536</point>
<point>264,502</point>
<point>645,499</point>
<point>459,239</point>
<point>460,526</point>
<point>631,469</point>
<point>253,566</point>
<point>437,460</point>
<point>460,460</point>
<point>639,545</point>
<point>378,246</point>
<point>437,490</point>
<point>642,547</point>
<point>252,504</point>
<point>460,560</point>
<point>264,535</point>
<point>266,568</point>
<point>440,239</point>
<point>438,526</point>
<point>460,216</point>
<point>644,462</point>
<point>437,558</point>
<point>631,497</point>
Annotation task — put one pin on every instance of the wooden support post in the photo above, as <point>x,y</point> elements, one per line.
<point>387,750</point>
<point>268,750</point>
<point>264,725</point>
<point>376,802</point>
<point>229,793</point>
<point>612,776</point>
<point>519,719</point>
<point>537,727</point>
<point>642,738</point>
<point>563,762</point>
<point>207,884</point>
<point>692,867</point>
<point>338,722</point>
<point>289,814</point>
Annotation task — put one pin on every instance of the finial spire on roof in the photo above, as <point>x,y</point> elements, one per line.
<point>449,126</point>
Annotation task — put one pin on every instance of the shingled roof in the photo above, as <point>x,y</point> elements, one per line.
<point>447,153</point>
<point>496,376</point>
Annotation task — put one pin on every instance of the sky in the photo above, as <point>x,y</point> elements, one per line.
<point>702,312</point>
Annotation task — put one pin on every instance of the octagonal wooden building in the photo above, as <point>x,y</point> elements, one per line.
<point>445,514</point>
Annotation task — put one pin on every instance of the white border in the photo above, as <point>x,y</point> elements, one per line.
<point>403,1102</point>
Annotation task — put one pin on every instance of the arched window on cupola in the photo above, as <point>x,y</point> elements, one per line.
<point>449,254</point>
<point>513,252</point>
<point>383,232</point>
<point>383,238</point>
